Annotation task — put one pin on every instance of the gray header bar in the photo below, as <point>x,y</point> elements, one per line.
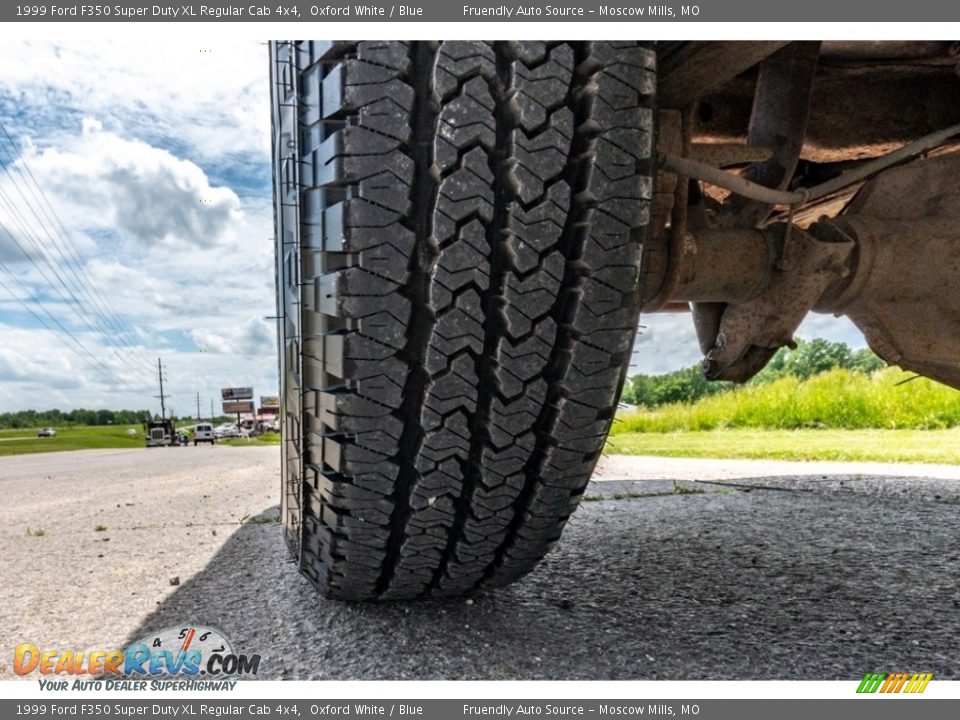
<point>447,11</point>
<point>487,709</point>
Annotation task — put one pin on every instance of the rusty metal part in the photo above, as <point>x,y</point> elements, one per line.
<point>734,183</point>
<point>746,188</point>
<point>751,332</point>
<point>725,154</point>
<point>781,106</point>
<point>726,265</point>
<point>855,112</point>
<point>656,261</point>
<point>751,290</point>
<point>884,50</point>
<point>678,220</point>
<point>706,322</point>
<point>671,250</point>
<point>891,263</point>
<point>825,207</point>
<point>905,300</point>
<point>904,291</point>
<point>669,140</point>
<point>910,150</point>
<point>687,70</point>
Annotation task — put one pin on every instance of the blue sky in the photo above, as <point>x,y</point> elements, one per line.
<point>155,158</point>
<point>668,342</point>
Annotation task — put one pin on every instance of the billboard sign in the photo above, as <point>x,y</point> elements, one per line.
<point>237,393</point>
<point>269,402</point>
<point>238,406</point>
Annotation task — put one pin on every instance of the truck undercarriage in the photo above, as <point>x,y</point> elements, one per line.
<point>859,137</point>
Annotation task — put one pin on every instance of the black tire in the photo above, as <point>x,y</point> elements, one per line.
<point>458,268</point>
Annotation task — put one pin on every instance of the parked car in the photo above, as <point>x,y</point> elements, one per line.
<point>226,431</point>
<point>46,432</point>
<point>203,432</point>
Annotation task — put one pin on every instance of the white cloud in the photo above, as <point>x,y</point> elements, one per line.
<point>36,372</point>
<point>155,157</point>
<point>254,337</point>
<point>664,342</point>
<point>212,96</point>
<point>134,189</point>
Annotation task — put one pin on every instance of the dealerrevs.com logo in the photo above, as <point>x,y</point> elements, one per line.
<point>186,652</point>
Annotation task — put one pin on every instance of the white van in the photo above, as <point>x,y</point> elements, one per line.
<point>203,432</point>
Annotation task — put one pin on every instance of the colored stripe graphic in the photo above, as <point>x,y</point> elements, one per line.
<point>871,682</point>
<point>918,683</point>
<point>894,683</point>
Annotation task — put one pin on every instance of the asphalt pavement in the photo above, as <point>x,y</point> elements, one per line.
<point>671,569</point>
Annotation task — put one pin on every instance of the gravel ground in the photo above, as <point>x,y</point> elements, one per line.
<point>671,569</point>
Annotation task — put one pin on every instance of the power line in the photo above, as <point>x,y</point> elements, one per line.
<point>68,247</point>
<point>81,350</point>
<point>30,235</point>
<point>79,307</point>
<point>75,304</point>
<point>60,239</point>
<point>36,243</point>
<point>73,300</point>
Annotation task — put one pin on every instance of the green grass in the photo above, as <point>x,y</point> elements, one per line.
<point>838,399</point>
<point>913,446</point>
<point>17,442</point>
<point>268,438</point>
<point>837,415</point>
<point>83,437</point>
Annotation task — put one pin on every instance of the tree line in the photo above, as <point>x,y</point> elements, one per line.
<point>59,418</point>
<point>81,416</point>
<point>811,357</point>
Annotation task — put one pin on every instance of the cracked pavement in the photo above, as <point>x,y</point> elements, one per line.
<point>670,569</point>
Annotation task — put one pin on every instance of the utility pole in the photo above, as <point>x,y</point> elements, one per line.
<point>163,407</point>
<point>211,409</point>
<point>198,407</point>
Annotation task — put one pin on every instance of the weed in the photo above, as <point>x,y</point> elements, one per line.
<point>838,399</point>
<point>914,446</point>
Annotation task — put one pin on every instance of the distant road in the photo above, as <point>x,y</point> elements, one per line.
<point>671,569</point>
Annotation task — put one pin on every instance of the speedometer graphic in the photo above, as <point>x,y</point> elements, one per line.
<point>207,640</point>
<point>190,647</point>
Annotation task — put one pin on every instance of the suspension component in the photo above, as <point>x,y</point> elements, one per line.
<point>895,274</point>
